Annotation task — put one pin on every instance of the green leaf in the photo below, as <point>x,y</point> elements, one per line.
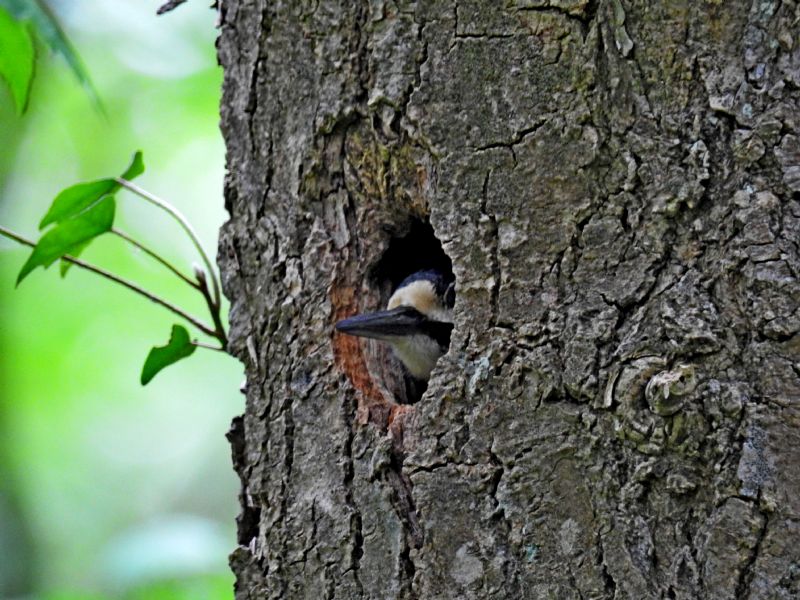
<point>65,265</point>
<point>136,167</point>
<point>77,198</point>
<point>69,235</point>
<point>51,32</point>
<point>17,58</point>
<point>160,357</point>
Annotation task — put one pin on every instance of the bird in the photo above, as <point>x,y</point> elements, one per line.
<point>416,324</point>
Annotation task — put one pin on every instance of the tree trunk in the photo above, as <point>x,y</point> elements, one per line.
<point>616,183</point>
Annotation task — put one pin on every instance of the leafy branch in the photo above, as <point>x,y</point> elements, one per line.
<point>178,217</point>
<point>116,279</point>
<point>81,213</point>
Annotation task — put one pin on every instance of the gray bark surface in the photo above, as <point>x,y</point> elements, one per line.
<point>617,183</point>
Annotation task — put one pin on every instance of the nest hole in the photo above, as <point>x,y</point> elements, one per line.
<point>418,249</point>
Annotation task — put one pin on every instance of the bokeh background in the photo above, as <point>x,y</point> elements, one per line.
<point>109,489</point>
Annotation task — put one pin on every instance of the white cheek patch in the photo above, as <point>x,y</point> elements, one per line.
<point>422,296</point>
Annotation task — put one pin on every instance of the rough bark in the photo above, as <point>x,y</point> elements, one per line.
<point>617,184</point>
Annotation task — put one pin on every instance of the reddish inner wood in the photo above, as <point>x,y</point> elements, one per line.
<point>372,405</point>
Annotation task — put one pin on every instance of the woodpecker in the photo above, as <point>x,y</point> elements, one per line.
<point>416,323</point>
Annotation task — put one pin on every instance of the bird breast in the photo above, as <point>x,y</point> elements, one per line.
<point>418,353</point>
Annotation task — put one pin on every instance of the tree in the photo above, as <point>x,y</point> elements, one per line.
<point>616,183</point>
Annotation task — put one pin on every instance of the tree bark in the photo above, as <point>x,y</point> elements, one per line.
<point>617,184</point>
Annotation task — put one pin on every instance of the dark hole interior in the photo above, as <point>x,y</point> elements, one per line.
<point>417,250</point>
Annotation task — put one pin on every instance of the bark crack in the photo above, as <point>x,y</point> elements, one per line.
<point>356,523</point>
<point>518,138</point>
<point>747,573</point>
<point>494,257</point>
<point>584,16</point>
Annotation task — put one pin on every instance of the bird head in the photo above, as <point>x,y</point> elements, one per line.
<point>417,321</point>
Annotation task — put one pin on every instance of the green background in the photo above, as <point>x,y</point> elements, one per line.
<point>109,489</point>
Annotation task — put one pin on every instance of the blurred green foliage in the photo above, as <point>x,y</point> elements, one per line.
<point>16,58</point>
<point>108,489</point>
<point>36,17</point>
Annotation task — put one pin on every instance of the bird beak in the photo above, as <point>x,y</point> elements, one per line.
<point>401,321</point>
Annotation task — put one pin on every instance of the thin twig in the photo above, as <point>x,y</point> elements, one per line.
<point>124,282</point>
<point>168,6</point>
<point>154,255</point>
<point>208,346</point>
<point>214,309</point>
<point>164,205</point>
